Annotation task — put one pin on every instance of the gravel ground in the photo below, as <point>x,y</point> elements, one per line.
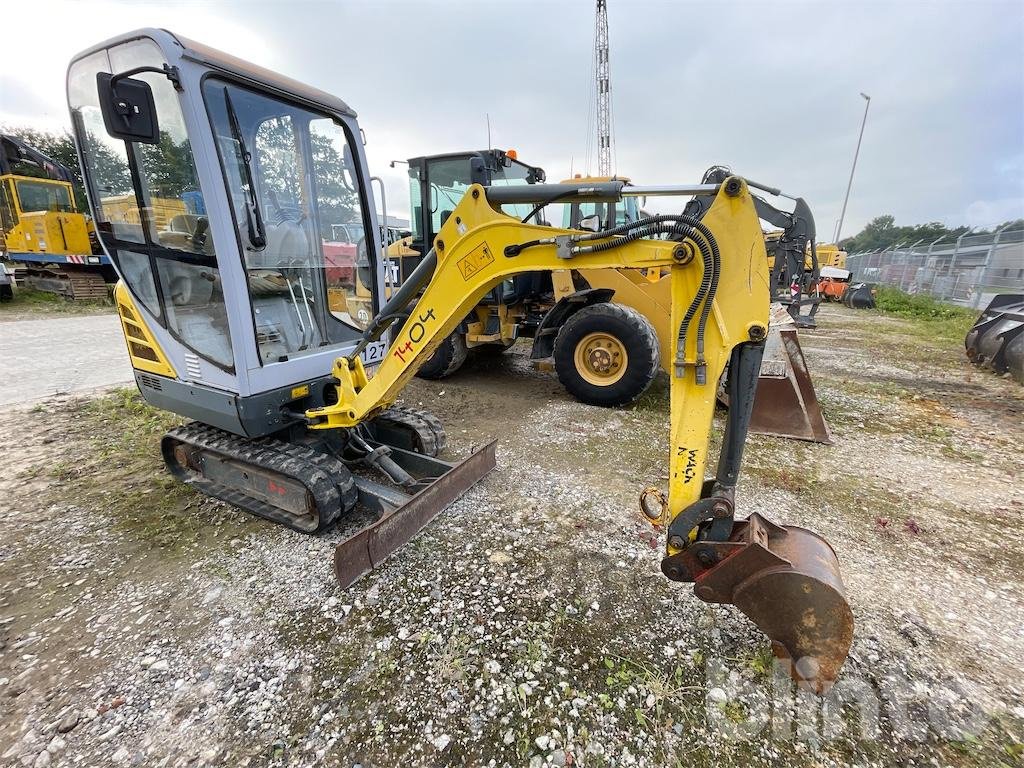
<point>529,624</point>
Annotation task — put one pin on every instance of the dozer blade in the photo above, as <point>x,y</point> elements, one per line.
<point>365,550</point>
<point>786,580</point>
<point>785,404</point>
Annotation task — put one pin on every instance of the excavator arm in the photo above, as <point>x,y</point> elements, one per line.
<point>786,579</point>
<point>789,251</point>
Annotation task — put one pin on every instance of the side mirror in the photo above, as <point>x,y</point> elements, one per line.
<point>591,223</point>
<point>129,111</point>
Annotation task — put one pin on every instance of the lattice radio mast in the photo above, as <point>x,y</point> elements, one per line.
<point>604,91</point>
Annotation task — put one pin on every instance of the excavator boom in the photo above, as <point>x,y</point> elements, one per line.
<point>786,579</point>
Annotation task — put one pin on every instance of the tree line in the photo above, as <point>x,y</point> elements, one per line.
<point>881,232</point>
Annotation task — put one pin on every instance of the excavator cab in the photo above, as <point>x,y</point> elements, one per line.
<point>215,185</point>
<point>217,221</point>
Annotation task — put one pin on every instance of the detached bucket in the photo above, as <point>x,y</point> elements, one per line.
<point>997,339</point>
<point>785,404</point>
<point>786,580</point>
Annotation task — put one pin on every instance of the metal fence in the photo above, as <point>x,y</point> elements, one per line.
<point>967,270</point>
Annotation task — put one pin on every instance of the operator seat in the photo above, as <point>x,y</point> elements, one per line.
<point>287,245</point>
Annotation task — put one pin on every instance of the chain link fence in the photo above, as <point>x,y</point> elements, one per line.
<point>967,269</point>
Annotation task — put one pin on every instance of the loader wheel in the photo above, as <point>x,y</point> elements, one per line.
<point>446,360</point>
<point>606,354</point>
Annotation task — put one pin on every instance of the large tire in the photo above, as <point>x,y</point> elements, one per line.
<point>607,354</point>
<point>446,360</point>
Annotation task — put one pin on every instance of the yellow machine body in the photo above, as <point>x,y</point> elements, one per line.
<point>52,231</point>
<point>471,261</point>
<point>143,349</point>
<point>290,409</point>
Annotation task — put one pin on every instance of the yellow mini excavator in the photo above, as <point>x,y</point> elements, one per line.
<point>227,321</point>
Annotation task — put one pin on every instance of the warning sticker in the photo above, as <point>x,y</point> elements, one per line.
<point>475,260</point>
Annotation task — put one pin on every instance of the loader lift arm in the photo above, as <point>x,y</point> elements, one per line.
<point>785,579</point>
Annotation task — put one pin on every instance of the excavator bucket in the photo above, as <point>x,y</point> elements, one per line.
<point>786,580</point>
<point>785,404</point>
<point>997,339</point>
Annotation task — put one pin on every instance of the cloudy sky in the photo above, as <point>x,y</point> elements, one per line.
<point>769,88</point>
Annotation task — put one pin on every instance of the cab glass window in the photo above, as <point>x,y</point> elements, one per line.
<point>43,196</point>
<point>297,202</point>
<point>149,208</point>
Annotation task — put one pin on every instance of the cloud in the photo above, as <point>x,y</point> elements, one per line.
<point>768,88</point>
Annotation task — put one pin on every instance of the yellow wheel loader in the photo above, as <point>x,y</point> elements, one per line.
<point>604,332</point>
<point>293,405</point>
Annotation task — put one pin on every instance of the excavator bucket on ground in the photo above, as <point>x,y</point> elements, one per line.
<point>997,339</point>
<point>785,404</point>
<point>787,581</point>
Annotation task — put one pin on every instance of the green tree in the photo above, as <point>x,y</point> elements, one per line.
<point>881,232</point>
<point>59,147</point>
<point>168,167</point>
<point>110,170</point>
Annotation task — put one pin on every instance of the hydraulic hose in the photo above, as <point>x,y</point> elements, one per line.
<point>399,300</point>
<point>716,270</point>
<point>699,233</point>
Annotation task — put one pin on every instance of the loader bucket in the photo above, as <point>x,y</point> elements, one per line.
<point>786,580</point>
<point>785,404</point>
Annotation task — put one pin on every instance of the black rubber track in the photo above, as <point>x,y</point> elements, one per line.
<point>327,480</point>
<point>447,358</point>
<point>429,435</point>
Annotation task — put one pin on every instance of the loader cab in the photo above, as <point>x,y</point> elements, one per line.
<point>215,185</point>
<point>599,216</point>
<point>438,182</point>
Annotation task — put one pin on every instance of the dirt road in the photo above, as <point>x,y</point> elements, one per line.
<point>62,354</point>
<point>529,624</point>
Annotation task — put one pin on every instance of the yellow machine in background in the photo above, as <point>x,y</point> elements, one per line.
<point>830,255</point>
<point>162,210</point>
<point>42,228</point>
<point>39,217</point>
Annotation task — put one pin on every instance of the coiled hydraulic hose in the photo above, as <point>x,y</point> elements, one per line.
<point>688,227</point>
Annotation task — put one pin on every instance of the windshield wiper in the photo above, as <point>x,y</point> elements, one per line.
<point>253,219</point>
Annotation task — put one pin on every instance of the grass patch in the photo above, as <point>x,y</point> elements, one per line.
<point>28,302</point>
<point>942,320</point>
<point>121,471</point>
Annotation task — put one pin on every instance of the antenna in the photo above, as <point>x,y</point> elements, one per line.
<point>604,91</point>
<point>488,116</point>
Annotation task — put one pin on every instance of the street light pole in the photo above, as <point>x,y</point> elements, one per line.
<point>839,226</point>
